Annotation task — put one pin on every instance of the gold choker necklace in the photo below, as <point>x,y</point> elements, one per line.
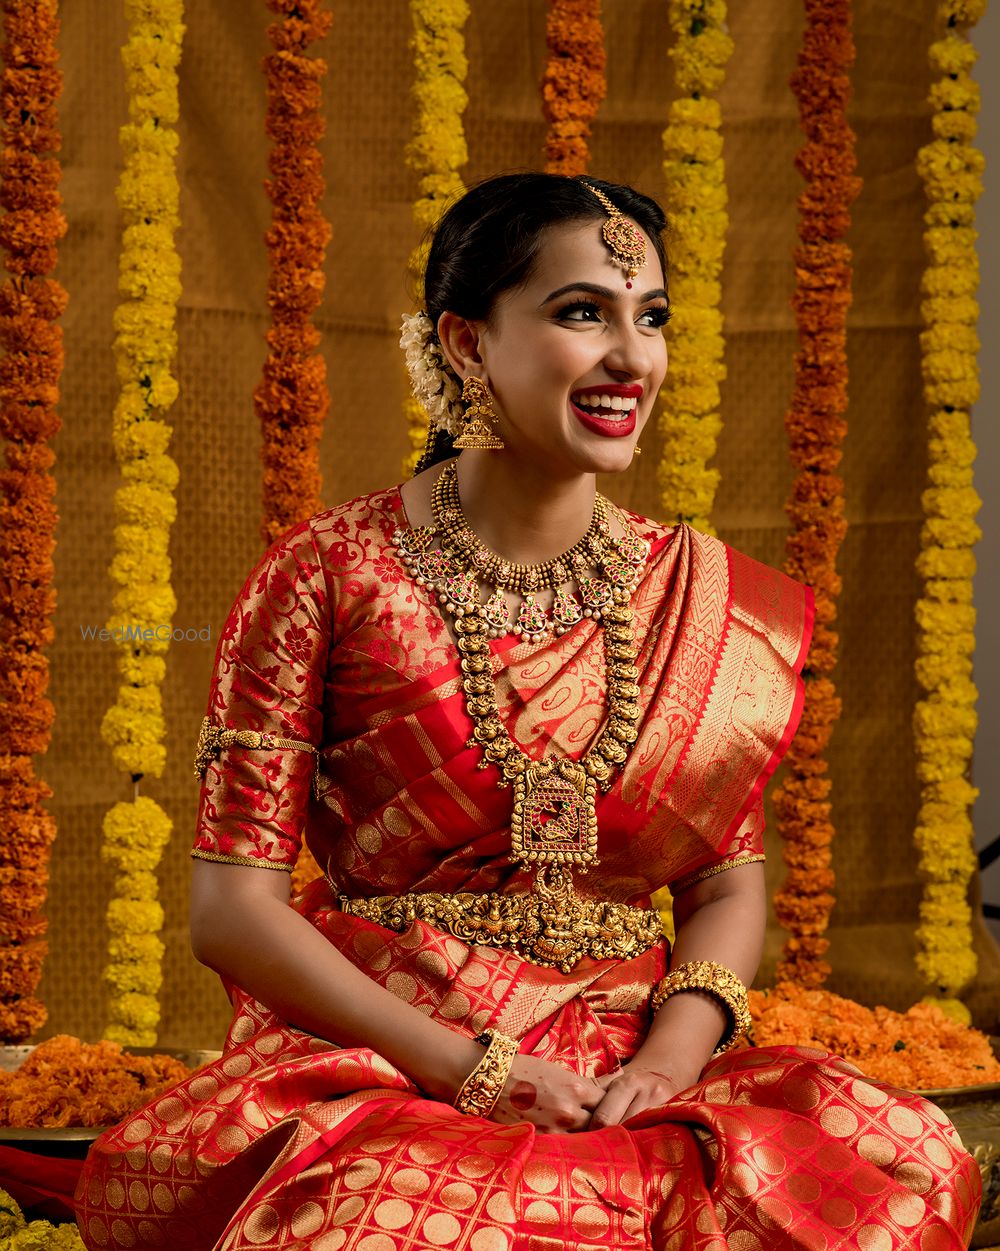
<point>554,818</point>
<point>456,568</point>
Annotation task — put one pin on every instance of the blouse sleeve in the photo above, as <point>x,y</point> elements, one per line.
<point>746,847</point>
<point>258,747</point>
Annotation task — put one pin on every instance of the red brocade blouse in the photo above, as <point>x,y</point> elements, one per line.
<point>331,643</point>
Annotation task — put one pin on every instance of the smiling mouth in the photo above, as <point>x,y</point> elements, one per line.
<point>606,407</point>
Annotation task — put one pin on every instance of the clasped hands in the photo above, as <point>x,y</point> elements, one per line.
<point>556,1100</point>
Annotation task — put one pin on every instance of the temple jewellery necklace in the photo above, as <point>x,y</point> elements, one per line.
<point>554,818</point>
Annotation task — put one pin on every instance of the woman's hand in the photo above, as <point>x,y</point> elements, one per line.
<point>640,1085</point>
<point>552,1098</point>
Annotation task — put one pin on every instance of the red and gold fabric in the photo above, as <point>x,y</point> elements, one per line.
<point>289,1141</point>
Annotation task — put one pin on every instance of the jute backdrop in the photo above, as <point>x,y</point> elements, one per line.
<point>223,316</point>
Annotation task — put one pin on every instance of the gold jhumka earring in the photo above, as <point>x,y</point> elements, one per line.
<point>478,433</point>
<point>623,238</point>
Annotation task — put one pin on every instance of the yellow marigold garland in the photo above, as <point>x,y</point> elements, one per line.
<point>945,719</point>
<point>31,302</point>
<point>816,428</point>
<point>437,150</point>
<point>18,1234</point>
<point>573,84</point>
<point>291,398</point>
<point>696,199</point>
<point>145,343</point>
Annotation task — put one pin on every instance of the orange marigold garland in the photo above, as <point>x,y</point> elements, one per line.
<point>816,428</point>
<point>31,303</point>
<point>291,399</point>
<point>573,85</point>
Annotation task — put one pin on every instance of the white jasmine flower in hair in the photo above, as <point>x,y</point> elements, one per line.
<point>431,377</point>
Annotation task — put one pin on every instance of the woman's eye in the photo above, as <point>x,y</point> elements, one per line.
<point>580,312</point>
<point>658,316</point>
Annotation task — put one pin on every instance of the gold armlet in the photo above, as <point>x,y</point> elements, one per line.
<point>213,738</point>
<point>699,875</point>
<point>482,1088</point>
<point>715,980</point>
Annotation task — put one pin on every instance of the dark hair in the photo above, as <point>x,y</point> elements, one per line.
<point>487,242</point>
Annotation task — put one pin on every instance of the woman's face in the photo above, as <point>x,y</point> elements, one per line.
<point>575,357</point>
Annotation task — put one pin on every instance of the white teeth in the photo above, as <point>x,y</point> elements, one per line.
<point>614,403</point>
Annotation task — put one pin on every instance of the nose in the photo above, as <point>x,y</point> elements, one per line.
<point>630,352</point>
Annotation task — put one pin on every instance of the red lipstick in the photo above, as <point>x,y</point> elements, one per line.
<point>610,428</point>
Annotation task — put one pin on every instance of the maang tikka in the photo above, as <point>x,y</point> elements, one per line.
<point>478,434</point>
<point>624,240</point>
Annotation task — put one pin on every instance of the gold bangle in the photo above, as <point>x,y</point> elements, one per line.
<point>482,1088</point>
<point>716,980</point>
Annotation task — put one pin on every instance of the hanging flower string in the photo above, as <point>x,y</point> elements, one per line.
<point>816,428</point>
<point>437,150</point>
<point>945,720</point>
<point>31,302</point>
<point>292,399</point>
<point>696,200</point>
<point>136,832</point>
<point>573,84</point>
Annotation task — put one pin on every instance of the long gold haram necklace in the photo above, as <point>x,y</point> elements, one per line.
<point>554,818</point>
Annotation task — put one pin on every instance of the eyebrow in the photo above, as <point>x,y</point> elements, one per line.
<point>605,292</point>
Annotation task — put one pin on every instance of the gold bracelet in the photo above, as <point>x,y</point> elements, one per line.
<point>482,1088</point>
<point>716,980</point>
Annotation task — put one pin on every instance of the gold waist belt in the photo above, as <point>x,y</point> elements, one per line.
<point>552,927</point>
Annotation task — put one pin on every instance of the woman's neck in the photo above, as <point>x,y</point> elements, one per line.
<point>523,515</point>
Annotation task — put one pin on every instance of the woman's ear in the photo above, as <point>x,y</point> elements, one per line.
<point>459,340</point>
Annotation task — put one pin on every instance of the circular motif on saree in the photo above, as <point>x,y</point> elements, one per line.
<point>377,1242</point>
<point>803,1187</point>
<point>122,1234</point>
<point>743,1240</point>
<point>331,1241</point>
<point>906,1210</point>
<point>237,1066</point>
<point>840,1122</point>
<point>775,1211</point>
<point>475,1165</point>
<point>876,1149</point>
<point>428,1152</point>
<point>137,1131</point>
<point>306,1219</point>
<point>387,1142</point>
<point>541,1212</point>
<point>348,1210</point>
<point>499,1207</point>
<point>914,1177</point>
<point>114,1193</point>
<point>98,1231</point>
<point>261,1225</point>
<point>136,1157</point>
<point>455,1005</point>
<point>150,1235</point>
<point>800,1094</point>
<point>475,973</point>
<point>540,1177</point>
<point>432,963</point>
<point>393,1213</point>
<point>163,1199</point>
<point>409,1181</point>
<point>138,1195</point>
<point>768,1160</point>
<point>590,1221</point>
<point>868,1096</point>
<point>874,1238</point>
<point>489,1238</point>
<point>187,1197</point>
<point>459,1195</point>
<point>361,1173</point>
<point>937,1152</point>
<point>368,837</point>
<point>402,985</point>
<point>441,1229</point>
<point>839,1213</point>
<point>905,1122</point>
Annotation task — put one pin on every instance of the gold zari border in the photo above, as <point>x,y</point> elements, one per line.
<point>254,863</point>
<point>700,875</point>
<point>551,931</point>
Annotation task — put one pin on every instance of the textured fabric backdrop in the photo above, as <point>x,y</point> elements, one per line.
<point>223,318</point>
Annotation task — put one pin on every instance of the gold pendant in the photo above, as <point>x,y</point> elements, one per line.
<point>554,820</point>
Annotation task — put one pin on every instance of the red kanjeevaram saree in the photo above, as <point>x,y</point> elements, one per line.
<point>288,1141</point>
